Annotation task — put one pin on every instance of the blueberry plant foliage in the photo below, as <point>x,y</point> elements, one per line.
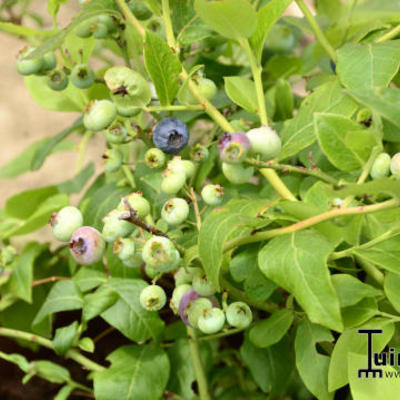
<point>246,222</point>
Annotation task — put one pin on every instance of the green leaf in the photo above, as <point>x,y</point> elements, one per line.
<point>53,7</point>
<point>267,16</point>
<point>385,254</point>
<point>163,66</point>
<point>269,331</point>
<point>20,283</point>
<point>304,273</point>
<point>63,296</point>
<point>391,287</point>
<point>48,146</point>
<point>313,366</point>
<point>284,102</point>
<point>101,202</point>
<point>368,65</point>
<point>333,133</point>
<point>20,30</point>
<point>127,315</point>
<point>352,341</point>
<point>22,162</point>
<point>64,393</point>
<point>242,91</point>
<point>86,344</point>
<point>365,389</point>
<point>99,301</point>
<point>16,359</point>
<point>50,371</point>
<point>136,373</point>
<point>88,278</point>
<point>76,184</point>
<point>221,225</point>
<point>359,313</point>
<point>350,290</point>
<point>382,100</point>
<point>234,19</point>
<point>24,204</point>
<point>40,217</point>
<point>269,367</point>
<point>64,338</point>
<point>298,133</point>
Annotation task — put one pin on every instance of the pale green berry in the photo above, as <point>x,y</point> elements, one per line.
<point>124,248</point>
<point>239,315</point>
<point>114,227</point>
<point>381,166</point>
<point>212,194</point>
<point>395,165</point>
<point>154,158</point>
<point>203,286</point>
<point>264,141</point>
<point>173,181</point>
<point>160,253</point>
<point>237,173</point>
<point>137,202</point>
<point>177,294</point>
<point>99,115</point>
<point>175,211</point>
<point>65,223</point>
<point>211,321</point>
<point>186,166</point>
<point>153,298</point>
<point>197,308</point>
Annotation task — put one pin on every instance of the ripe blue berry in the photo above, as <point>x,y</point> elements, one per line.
<point>124,248</point>
<point>114,227</point>
<point>153,298</point>
<point>237,173</point>
<point>211,321</point>
<point>381,166</point>
<point>154,158</point>
<point>160,253</point>
<point>113,159</point>
<point>171,135</point>
<point>137,202</point>
<point>202,285</point>
<point>264,141</point>
<point>99,115</point>
<point>233,147</point>
<point>177,295</point>
<point>28,67</point>
<point>239,315</point>
<point>82,76</point>
<point>395,165</point>
<point>57,79</point>
<point>87,245</point>
<point>212,194</point>
<point>65,223</point>
<point>197,308</point>
<point>198,152</point>
<point>116,133</point>
<point>175,211</point>
<point>173,181</point>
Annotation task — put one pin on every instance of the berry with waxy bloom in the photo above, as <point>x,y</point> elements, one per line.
<point>264,141</point>
<point>153,298</point>
<point>211,320</point>
<point>212,194</point>
<point>87,245</point>
<point>239,315</point>
<point>233,147</point>
<point>65,222</point>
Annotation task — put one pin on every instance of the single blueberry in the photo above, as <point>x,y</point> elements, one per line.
<point>333,66</point>
<point>171,135</point>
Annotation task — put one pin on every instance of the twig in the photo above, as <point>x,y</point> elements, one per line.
<point>50,279</point>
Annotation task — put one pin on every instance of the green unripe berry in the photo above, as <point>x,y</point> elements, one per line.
<point>114,227</point>
<point>108,20</point>
<point>211,321</point>
<point>175,211</point>
<point>160,253</point>
<point>49,61</point>
<point>212,194</point>
<point>237,173</point>
<point>185,166</point>
<point>85,28</point>
<point>264,141</point>
<point>199,152</point>
<point>155,158</point>
<point>177,294</point>
<point>65,223</point>
<point>151,272</point>
<point>206,88</point>
<point>99,115</point>
<point>116,133</point>
<point>57,79</point>
<point>381,166</point>
<point>113,159</point>
<point>135,261</point>
<point>203,286</point>
<point>197,308</point>
<point>30,66</point>
<point>173,181</point>
<point>139,10</point>
<point>239,315</point>
<point>82,76</point>
<point>100,30</point>
<point>153,298</point>
<point>124,248</point>
<point>137,202</point>
<point>185,275</point>
<point>395,165</point>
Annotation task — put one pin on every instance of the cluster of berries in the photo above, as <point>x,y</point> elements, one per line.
<point>384,164</point>
<point>234,148</point>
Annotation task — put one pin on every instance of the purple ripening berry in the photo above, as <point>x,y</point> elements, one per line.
<point>87,245</point>
<point>233,147</point>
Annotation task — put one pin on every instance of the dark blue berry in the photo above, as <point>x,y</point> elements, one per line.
<point>171,135</point>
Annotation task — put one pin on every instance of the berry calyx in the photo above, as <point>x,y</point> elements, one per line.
<point>198,152</point>
<point>381,166</point>
<point>153,298</point>
<point>239,315</point>
<point>57,79</point>
<point>175,211</point>
<point>82,76</point>
<point>233,147</point>
<point>116,133</point>
<point>264,141</point>
<point>99,115</point>
<point>171,135</point>
<point>211,321</point>
<point>212,194</point>
<point>154,158</point>
<point>65,223</point>
<point>87,245</point>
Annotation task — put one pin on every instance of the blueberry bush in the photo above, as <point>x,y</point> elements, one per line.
<point>246,221</point>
